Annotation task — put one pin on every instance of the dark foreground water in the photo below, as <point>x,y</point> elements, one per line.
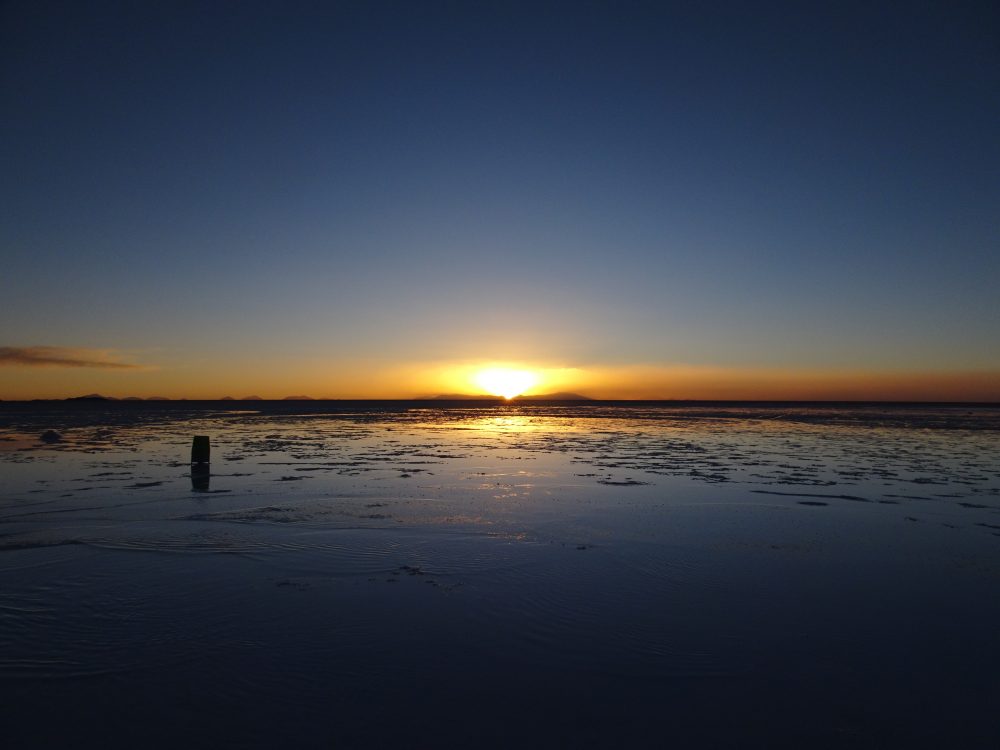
<point>409,575</point>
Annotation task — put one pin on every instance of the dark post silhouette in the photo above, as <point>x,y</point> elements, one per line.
<point>200,450</point>
<point>200,456</point>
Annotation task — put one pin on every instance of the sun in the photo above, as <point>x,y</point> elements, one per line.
<point>506,382</point>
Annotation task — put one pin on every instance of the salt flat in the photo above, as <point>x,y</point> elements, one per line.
<point>407,573</point>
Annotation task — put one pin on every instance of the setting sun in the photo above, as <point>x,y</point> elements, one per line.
<point>500,381</point>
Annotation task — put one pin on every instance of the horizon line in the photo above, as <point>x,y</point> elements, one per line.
<point>583,400</point>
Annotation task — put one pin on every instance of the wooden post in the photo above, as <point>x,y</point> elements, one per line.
<point>200,450</point>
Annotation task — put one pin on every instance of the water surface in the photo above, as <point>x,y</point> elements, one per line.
<point>360,574</point>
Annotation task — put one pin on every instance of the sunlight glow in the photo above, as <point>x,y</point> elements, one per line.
<point>506,382</point>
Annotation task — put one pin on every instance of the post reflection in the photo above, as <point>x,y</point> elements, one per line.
<point>200,477</point>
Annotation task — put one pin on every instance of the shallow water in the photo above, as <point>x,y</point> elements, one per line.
<point>354,575</point>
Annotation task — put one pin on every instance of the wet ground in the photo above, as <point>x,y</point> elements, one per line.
<point>355,575</point>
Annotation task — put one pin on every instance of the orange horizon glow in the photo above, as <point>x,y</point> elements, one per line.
<point>371,380</point>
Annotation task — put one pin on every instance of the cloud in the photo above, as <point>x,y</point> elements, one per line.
<point>58,356</point>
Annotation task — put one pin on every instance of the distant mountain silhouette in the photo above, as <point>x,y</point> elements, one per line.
<point>157,398</point>
<point>92,397</point>
<point>251,398</point>
<point>227,398</point>
<point>132,398</point>
<point>298,398</point>
<point>561,396</point>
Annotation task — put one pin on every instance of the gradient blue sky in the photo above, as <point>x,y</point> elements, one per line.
<point>325,192</point>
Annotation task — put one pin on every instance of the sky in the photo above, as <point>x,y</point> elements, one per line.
<point>631,200</point>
